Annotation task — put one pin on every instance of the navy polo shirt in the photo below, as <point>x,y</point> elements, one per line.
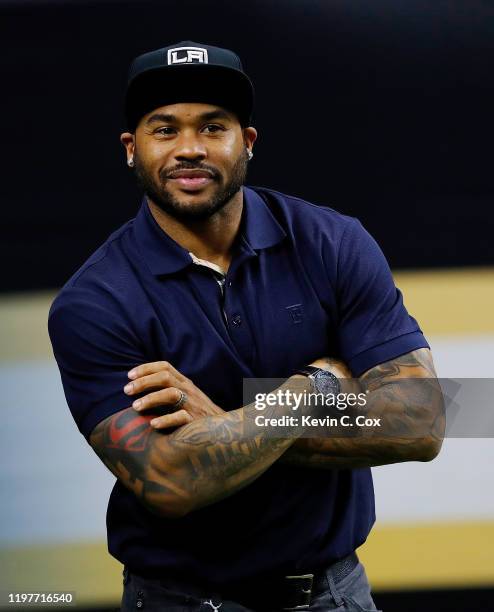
<point>305,281</point>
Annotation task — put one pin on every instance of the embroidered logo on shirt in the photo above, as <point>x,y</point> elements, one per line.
<point>296,313</point>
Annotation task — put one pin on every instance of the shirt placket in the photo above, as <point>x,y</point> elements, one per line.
<point>233,312</point>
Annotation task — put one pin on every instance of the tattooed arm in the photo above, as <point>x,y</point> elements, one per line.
<point>405,395</point>
<point>200,463</point>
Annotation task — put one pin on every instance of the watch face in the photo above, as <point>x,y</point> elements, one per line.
<point>327,383</point>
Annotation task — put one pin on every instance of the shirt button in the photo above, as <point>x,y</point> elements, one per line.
<point>237,320</point>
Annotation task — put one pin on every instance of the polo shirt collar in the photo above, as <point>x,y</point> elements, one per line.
<point>164,256</point>
<point>259,226</point>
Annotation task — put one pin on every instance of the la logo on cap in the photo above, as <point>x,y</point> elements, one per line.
<point>187,55</point>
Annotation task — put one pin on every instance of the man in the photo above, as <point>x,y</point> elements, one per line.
<point>213,283</point>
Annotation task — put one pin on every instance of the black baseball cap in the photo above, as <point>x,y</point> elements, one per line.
<point>188,72</point>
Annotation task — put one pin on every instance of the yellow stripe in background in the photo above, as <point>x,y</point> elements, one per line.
<point>452,301</point>
<point>396,557</point>
<point>86,569</point>
<point>430,555</point>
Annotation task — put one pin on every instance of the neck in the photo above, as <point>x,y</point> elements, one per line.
<point>209,239</point>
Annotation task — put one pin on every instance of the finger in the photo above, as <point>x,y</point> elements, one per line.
<point>146,368</point>
<point>158,380</point>
<point>178,375</point>
<point>151,368</point>
<point>163,397</point>
<point>175,419</point>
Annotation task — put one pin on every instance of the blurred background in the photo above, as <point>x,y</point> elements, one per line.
<point>381,109</point>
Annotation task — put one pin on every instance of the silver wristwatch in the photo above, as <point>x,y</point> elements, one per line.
<point>322,381</point>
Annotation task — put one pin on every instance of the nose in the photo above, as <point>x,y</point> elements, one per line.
<point>189,147</point>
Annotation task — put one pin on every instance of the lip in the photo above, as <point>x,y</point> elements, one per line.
<point>190,173</point>
<point>192,183</point>
<point>192,179</point>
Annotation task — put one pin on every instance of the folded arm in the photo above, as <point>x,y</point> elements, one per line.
<point>212,454</point>
<point>199,463</point>
<point>405,395</point>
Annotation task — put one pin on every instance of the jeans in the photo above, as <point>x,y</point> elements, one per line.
<point>351,594</point>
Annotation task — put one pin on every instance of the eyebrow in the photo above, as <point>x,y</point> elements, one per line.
<point>161,117</point>
<point>209,116</point>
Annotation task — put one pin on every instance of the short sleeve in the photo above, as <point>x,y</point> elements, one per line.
<point>374,325</point>
<point>94,349</point>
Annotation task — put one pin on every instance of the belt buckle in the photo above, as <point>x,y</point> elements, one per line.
<point>305,594</point>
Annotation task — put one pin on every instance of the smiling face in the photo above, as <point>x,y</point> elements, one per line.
<point>190,158</point>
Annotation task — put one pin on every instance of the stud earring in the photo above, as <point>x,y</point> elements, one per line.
<point>250,155</point>
<point>130,162</point>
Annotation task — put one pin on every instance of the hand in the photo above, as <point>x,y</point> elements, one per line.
<point>165,384</point>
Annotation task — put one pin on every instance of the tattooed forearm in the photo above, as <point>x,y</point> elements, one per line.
<point>405,394</point>
<point>123,442</point>
<point>224,454</point>
<point>196,465</point>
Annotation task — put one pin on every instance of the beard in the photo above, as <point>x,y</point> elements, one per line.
<point>183,211</point>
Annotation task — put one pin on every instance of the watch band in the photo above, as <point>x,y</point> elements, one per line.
<point>308,371</point>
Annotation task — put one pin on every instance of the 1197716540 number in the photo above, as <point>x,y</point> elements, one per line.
<point>40,598</point>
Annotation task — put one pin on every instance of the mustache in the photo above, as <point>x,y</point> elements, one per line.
<point>166,172</point>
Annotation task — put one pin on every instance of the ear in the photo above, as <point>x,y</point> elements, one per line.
<point>128,141</point>
<point>250,135</point>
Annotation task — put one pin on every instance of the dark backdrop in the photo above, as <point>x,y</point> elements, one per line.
<point>382,109</point>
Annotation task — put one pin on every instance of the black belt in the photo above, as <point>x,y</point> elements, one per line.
<point>290,592</point>
<point>293,592</point>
